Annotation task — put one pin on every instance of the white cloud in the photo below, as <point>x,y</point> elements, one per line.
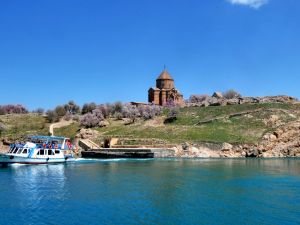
<point>252,3</point>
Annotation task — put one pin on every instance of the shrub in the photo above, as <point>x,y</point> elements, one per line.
<point>60,111</point>
<point>88,108</point>
<point>105,109</point>
<point>98,113</point>
<point>2,111</point>
<point>89,120</point>
<point>230,94</point>
<point>118,116</point>
<point>150,111</point>
<point>131,112</point>
<point>68,116</point>
<point>197,98</point>
<point>72,108</point>
<point>13,109</point>
<point>52,116</point>
<point>117,108</point>
<point>172,115</point>
<point>2,128</point>
<point>39,111</point>
<point>170,103</point>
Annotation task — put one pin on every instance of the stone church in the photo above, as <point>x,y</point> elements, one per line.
<point>164,91</point>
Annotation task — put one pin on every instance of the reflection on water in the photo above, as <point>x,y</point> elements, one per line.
<point>167,191</point>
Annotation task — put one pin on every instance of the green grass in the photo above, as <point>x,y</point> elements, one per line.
<point>22,125</point>
<point>68,131</point>
<point>240,129</point>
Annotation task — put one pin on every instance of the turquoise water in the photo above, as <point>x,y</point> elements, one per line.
<point>152,192</point>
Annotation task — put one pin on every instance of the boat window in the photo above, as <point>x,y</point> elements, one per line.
<point>15,151</point>
<point>19,151</point>
<point>57,151</point>
<point>12,150</point>
<point>50,152</point>
<point>25,151</point>
<point>41,152</point>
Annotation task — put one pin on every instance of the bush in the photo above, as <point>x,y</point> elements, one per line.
<point>88,108</point>
<point>39,111</point>
<point>117,108</point>
<point>72,108</point>
<point>150,111</point>
<point>131,112</point>
<point>60,111</point>
<point>2,128</point>
<point>172,115</point>
<point>2,111</point>
<point>89,120</point>
<point>230,94</point>
<point>105,109</point>
<point>118,116</point>
<point>13,109</point>
<point>170,103</point>
<point>197,98</point>
<point>98,113</point>
<point>52,116</point>
<point>67,117</point>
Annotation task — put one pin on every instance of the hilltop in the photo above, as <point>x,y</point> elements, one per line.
<point>249,129</point>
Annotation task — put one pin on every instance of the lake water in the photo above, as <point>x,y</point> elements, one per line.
<point>195,191</point>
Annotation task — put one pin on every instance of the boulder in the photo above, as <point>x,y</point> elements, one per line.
<point>226,147</point>
<point>233,101</point>
<point>103,123</point>
<point>87,133</point>
<point>252,153</point>
<point>214,101</point>
<point>217,94</point>
<point>185,146</point>
<point>269,137</point>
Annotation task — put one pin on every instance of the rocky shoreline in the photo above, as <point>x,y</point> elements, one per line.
<point>283,142</point>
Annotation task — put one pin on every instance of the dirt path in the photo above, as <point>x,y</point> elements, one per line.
<point>62,123</point>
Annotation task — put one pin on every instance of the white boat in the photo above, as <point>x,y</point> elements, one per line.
<point>40,150</point>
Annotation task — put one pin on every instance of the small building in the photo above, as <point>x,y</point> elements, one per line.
<point>164,91</point>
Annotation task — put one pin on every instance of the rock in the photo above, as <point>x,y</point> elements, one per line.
<point>217,95</point>
<point>103,123</point>
<point>269,137</point>
<point>273,119</point>
<point>234,101</point>
<point>226,147</point>
<point>214,101</point>
<point>185,146</point>
<point>87,133</point>
<point>252,153</point>
<point>127,121</point>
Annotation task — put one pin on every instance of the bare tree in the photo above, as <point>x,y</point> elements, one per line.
<point>230,94</point>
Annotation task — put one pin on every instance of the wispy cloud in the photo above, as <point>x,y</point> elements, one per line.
<point>251,3</point>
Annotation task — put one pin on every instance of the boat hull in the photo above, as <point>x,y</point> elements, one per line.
<point>11,159</point>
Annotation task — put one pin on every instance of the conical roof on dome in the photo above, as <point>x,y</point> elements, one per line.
<point>164,76</point>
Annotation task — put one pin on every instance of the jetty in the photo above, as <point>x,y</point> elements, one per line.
<point>113,153</point>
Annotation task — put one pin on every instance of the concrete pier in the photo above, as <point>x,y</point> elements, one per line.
<point>109,153</point>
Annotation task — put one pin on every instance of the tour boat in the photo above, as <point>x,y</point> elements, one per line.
<point>40,150</point>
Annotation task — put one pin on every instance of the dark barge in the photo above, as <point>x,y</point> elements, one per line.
<point>139,153</point>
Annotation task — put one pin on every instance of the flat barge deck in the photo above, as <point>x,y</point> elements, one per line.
<point>113,153</point>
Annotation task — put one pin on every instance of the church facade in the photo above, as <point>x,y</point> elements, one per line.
<point>164,91</point>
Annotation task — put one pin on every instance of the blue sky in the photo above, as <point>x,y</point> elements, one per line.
<point>104,51</point>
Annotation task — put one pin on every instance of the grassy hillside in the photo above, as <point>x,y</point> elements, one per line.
<point>21,125</point>
<point>247,128</point>
<point>235,124</point>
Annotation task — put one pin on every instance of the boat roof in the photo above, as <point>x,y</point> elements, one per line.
<point>40,137</point>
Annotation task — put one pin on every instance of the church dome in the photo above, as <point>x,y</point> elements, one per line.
<point>165,76</point>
